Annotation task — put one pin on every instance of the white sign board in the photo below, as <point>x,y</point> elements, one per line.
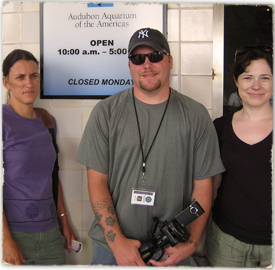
<point>84,51</point>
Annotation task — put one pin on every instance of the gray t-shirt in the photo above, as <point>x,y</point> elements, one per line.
<point>186,149</point>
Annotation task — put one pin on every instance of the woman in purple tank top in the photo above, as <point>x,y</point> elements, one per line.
<point>31,220</point>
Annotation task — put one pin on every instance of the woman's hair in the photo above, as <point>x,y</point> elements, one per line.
<point>243,60</point>
<point>15,56</point>
<point>11,59</point>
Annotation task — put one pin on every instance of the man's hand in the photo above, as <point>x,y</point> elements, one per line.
<point>202,192</point>
<point>12,253</point>
<point>175,254</point>
<point>127,254</point>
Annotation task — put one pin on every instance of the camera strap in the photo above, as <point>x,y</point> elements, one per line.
<point>144,157</point>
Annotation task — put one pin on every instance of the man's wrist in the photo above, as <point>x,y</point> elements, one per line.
<point>116,240</point>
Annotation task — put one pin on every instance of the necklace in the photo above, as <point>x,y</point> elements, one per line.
<point>144,157</point>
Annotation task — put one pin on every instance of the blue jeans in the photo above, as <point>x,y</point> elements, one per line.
<point>101,256</point>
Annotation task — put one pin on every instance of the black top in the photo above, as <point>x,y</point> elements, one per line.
<point>243,204</point>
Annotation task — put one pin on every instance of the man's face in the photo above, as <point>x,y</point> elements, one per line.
<point>150,76</point>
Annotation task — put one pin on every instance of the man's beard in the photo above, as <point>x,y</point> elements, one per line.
<point>150,88</point>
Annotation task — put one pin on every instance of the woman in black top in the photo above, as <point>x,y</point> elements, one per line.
<point>240,234</point>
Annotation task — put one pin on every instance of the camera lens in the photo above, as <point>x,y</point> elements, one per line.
<point>194,210</point>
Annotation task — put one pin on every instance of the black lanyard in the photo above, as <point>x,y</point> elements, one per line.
<point>140,140</point>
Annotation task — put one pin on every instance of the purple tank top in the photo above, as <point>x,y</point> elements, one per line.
<point>28,161</point>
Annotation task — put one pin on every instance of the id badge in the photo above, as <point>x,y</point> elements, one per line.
<point>143,196</point>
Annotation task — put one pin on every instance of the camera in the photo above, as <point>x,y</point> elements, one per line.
<point>169,233</point>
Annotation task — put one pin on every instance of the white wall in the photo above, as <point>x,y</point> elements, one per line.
<point>190,35</point>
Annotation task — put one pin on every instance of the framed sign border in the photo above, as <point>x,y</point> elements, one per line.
<point>42,94</point>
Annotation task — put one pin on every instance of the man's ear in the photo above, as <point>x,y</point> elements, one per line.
<point>171,62</point>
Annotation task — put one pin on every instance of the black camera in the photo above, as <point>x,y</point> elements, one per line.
<point>169,233</point>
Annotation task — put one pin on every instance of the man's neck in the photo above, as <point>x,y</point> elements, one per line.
<point>152,97</point>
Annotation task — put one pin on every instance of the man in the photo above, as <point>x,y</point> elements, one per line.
<point>148,139</point>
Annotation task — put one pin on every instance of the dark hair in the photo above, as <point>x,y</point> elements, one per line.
<point>15,56</point>
<point>244,60</point>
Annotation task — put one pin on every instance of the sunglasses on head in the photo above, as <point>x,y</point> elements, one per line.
<point>154,57</point>
<point>245,49</point>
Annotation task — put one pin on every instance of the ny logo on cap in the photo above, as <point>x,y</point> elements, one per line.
<point>143,33</point>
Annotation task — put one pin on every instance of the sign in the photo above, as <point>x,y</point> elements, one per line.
<point>84,46</point>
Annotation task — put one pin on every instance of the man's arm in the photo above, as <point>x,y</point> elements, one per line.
<point>202,192</point>
<point>217,179</point>
<point>124,249</point>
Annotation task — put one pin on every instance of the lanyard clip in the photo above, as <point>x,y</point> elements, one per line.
<point>143,179</point>
<point>143,174</point>
<point>143,167</point>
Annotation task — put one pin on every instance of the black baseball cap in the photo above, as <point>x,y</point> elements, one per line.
<point>150,37</point>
